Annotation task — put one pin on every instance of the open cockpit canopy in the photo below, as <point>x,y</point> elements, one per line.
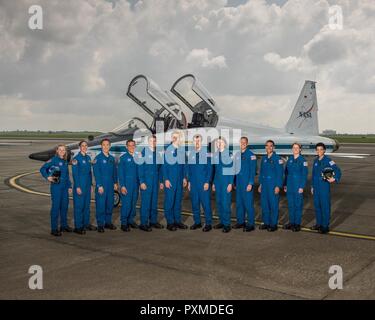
<point>197,98</point>
<point>159,104</point>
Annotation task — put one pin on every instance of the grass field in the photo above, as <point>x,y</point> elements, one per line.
<point>354,138</point>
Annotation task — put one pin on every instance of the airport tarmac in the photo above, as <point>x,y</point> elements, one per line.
<point>185,264</point>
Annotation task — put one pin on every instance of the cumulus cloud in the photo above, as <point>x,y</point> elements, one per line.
<point>284,64</point>
<point>204,58</point>
<point>252,55</point>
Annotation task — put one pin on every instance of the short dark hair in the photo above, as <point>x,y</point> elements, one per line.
<point>130,140</point>
<point>105,139</point>
<point>271,141</point>
<point>198,136</point>
<point>320,144</point>
<point>82,141</point>
<point>223,139</point>
<point>246,138</point>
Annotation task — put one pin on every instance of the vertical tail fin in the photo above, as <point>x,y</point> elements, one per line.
<point>304,118</point>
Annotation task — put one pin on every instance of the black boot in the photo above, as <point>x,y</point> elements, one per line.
<point>171,227</point>
<point>100,229</point>
<point>296,228</point>
<point>125,228</point>
<point>239,226</point>
<point>110,226</point>
<point>288,226</point>
<point>180,225</point>
<point>249,228</point>
<point>66,229</point>
<point>157,225</point>
<point>133,225</point>
<point>79,231</point>
<point>56,233</point>
<point>272,229</point>
<point>218,226</point>
<point>264,227</point>
<point>226,229</point>
<point>207,228</point>
<point>316,227</point>
<point>90,227</point>
<point>145,228</point>
<point>324,230</point>
<point>196,226</point>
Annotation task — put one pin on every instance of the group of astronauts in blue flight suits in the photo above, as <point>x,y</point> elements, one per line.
<point>148,171</point>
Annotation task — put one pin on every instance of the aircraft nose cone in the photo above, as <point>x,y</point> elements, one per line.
<point>42,156</point>
<point>48,154</point>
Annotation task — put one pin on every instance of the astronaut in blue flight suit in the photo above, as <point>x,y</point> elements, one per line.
<point>199,175</point>
<point>223,184</point>
<point>270,183</point>
<point>129,186</point>
<point>246,162</point>
<point>105,173</point>
<point>82,181</point>
<point>174,178</point>
<point>150,179</point>
<point>321,188</point>
<point>296,171</point>
<point>60,190</point>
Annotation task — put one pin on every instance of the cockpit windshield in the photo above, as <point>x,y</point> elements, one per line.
<point>197,98</point>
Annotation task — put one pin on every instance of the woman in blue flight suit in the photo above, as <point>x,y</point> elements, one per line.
<point>82,180</point>
<point>60,189</point>
<point>296,171</point>
<point>223,184</point>
<point>321,188</point>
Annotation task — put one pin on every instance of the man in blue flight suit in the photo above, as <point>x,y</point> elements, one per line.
<point>60,189</point>
<point>105,173</point>
<point>82,180</point>
<point>223,184</point>
<point>296,171</point>
<point>149,173</point>
<point>129,186</point>
<point>321,188</point>
<point>270,184</point>
<point>174,182</point>
<point>199,174</point>
<point>246,162</point>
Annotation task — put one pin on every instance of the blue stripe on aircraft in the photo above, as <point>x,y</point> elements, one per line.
<point>118,148</point>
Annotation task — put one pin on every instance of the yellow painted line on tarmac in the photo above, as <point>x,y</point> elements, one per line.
<point>13,182</point>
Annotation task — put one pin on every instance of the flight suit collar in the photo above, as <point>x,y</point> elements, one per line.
<point>107,157</point>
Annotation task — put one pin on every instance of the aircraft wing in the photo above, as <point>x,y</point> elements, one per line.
<point>350,155</point>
